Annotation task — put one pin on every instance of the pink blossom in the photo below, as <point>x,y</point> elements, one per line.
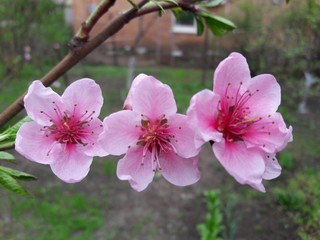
<point>153,136</point>
<point>239,117</point>
<point>64,130</point>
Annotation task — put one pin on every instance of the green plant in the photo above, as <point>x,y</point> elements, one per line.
<point>57,216</point>
<point>211,229</point>
<point>301,200</point>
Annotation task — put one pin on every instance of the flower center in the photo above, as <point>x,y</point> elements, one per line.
<point>68,128</point>
<point>234,116</point>
<point>155,138</point>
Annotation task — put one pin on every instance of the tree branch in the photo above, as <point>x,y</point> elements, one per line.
<point>82,35</point>
<point>78,53</point>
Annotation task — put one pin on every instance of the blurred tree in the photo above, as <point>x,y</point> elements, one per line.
<point>28,29</point>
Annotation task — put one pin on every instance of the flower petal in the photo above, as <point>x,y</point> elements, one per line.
<point>87,96</point>
<point>41,102</point>
<point>288,138</point>
<point>93,147</point>
<point>247,166</point>
<point>229,74</point>
<point>270,134</point>
<point>128,102</point>
<point>183,140</point>
<point>265,95</point>
<point>32,143</point>
<point>71,165</point>
<point>179,171</point>
<point>130,168</point>
<point>202,112</point>
<point>273,168</point>
<point>121,130</point>
<point>153,99</point>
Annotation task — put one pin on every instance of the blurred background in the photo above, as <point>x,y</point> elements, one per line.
<point>276,37</point>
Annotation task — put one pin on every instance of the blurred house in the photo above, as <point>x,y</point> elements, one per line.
<point>162,39</point>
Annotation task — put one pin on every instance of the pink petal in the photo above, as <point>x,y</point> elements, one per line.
<point>288,138</point>
<point>93,147</point>
<point>202,113</point>
<point>247,166</point>
<point>183,140</point>
<point>179,171</point>
<point>86,94</point>
<point>269,133</point>
<point>128,102</point>
<point>71,165</point>
<point>229,74</point>
<point>153,99</point>
<point>273,168</point>
<point>33,144</point>
<point>130,168</point>
<point>121,130</point>
<point>266,95</point>
<point>40,103</point>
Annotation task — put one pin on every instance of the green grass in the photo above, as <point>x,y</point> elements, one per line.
<point>53,215</point>
<point>300,199</point>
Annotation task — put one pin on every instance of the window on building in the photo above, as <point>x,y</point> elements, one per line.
<point>184,24</point>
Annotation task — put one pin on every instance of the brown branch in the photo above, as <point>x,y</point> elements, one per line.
<point>73,57</point>
<point>86,26</point>
<point>181,4</point>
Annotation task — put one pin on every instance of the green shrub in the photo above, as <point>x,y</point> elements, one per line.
<point>301,200</point>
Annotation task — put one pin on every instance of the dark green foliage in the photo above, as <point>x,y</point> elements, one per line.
<point>301,200</point>
<point>211,229</point>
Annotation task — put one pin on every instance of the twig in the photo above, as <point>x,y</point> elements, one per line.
<point>82,36</point>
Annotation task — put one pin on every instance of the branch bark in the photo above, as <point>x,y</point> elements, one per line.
<point>86,27</point>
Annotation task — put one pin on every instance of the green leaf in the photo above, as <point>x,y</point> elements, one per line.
<point>6,156</point>
<point>172,1</point>
<point>200,25</point>
<point>12,131</point>
<point>133,4</point>
<point>11,184</point>
<point>161,11</point>
<point>218,25</point>
<point>177,12</point>
<point>17,174</point>
<point>211,4</point>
